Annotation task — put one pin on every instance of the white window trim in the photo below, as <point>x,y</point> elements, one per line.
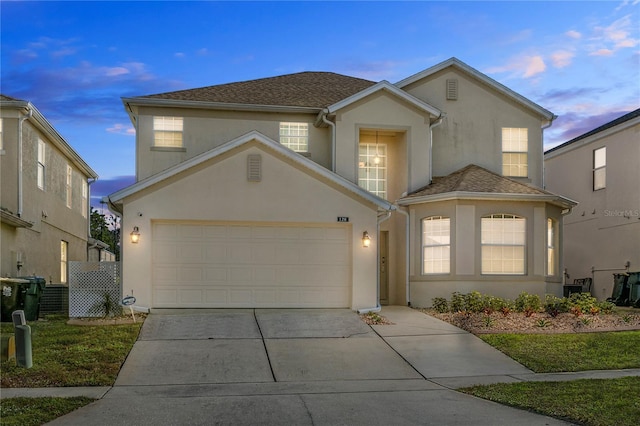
<point>373,165</point>
<point>552,244</point>
<point>295,136</point>
<point>600,168</point>
<point>515,142</point>
<point>64,256</point>
<point>503,241</point>
<point>425,246</point>
<point>69,186</point>
<point>41,165</point>
<point>168,132</point>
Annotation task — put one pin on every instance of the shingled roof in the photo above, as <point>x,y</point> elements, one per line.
<point>475,179</point>
<point>305,89</point>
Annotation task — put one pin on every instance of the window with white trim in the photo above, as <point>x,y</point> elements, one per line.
<point>41,163</point>
<point>85,198</point>
<point>436,245</point>
<point>64,255</point>
<point>295,136</point>
<point>1,136</point>
<point>503,241</point>
<point>515,148</point>
<point>167,132</point>
<point>551,247</point>
<point>68,186</point>
<point>600,168</point>
<point>372,168</point>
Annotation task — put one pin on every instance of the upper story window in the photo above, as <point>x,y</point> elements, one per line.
<point>372,168</point>
<point>85,198</point>
<point>551,247</point>
<point>515,146</point>
<point>68,187</point>
<point>1,136</point>
<point>41,163</point>
<point>600,168</point>
<point>167,132</point>
<point>295,136</point>
<point>503,240</point>
<point>436,245</point>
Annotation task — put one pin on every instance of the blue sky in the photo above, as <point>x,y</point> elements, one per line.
<point>75,60</point>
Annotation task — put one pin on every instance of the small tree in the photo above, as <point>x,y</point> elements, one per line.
<point>106,228</point>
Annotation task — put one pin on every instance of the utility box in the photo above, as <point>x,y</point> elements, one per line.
<point>12,296</point>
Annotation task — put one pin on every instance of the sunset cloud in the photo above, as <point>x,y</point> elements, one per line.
<point>522,66</point>
<point>561,58</point>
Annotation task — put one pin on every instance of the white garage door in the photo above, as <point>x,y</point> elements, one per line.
<point>210,265</point>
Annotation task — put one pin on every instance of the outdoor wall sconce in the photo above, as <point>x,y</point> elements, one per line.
<point>366,240</point>
<point>135,235</point>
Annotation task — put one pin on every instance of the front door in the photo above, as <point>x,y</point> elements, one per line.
<point>383,252</point>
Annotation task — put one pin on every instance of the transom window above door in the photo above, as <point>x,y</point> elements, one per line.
<point>372,168</point>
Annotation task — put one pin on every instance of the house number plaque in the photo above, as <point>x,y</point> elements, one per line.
<point>343,219</point>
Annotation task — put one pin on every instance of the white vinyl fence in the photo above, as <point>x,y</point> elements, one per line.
<point>92,286</point>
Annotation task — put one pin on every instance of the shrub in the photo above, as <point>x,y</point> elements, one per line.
<point>440,305</point>
<point>457,302</point>
<point>528,303</point>
<point>473,302</point>
<point>606,307</point>
<point>583,301</point>
<point>554,305</point>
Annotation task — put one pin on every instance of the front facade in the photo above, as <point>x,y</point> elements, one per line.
<point>323,190</point>
<point>44,203</point>
<point>600,170</point>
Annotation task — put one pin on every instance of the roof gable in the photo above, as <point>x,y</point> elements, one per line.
<point>478,76</point>
<point>253,137</point>
<point>388,88</point>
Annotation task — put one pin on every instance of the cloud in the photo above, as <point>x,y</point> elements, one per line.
<point>122,129</point>
<point>602,52</point>
<point>521,66</point>
<point>607,40</point>
<point>202,52</point>
<point>573,34</point>
<point>576,123</point>
<point>562,58</point>
<point>179,55</point>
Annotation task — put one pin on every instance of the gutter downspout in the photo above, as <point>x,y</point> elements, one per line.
<point>407,255</point>
<point>21,120</point>
<point>333,138</point>
<point>377,308</point>
<point>431,127</point>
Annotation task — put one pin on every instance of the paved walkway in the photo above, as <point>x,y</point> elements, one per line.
<point>272,366</point>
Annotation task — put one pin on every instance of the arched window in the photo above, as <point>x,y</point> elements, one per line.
<point>503,240</point>
<point>436,245</point>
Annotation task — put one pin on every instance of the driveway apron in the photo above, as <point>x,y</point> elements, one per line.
<point>302,367</point>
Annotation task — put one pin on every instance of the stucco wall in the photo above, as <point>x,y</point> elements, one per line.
<point>603,231</point>
<point>219,191</point>
<point>52,220</point>
<point>471,132</point>
<point>207,129</point>
<point>466,275</point>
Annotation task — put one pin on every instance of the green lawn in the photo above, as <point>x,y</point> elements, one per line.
<point>547,353</point>
<point>614,402</point>
<point>37,411</point>
<point>67,355</point>
<point>611,402</point>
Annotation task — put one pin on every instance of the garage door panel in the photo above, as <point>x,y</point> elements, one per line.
<point>257,265</point>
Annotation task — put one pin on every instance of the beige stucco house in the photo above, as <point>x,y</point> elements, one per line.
<point>600,169</point>
<point>322,190</point>
<point>44,201</point>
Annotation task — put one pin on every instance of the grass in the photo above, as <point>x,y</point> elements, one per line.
<point>67,355</point>
<point>37,411</point>
<point>548,353</point>
<point>590,402</point>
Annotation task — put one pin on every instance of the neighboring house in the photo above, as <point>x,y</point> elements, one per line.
<point>44,203</point>
<point>322,190</point>
<point>600,170</point>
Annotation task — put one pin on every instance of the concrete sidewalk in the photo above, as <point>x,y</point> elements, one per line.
<point>272,366</point>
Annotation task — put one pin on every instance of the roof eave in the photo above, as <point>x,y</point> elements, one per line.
<point>487,196</point>
<point>177,103</point>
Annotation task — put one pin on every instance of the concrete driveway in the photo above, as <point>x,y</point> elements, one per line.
<point>304,367</point>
